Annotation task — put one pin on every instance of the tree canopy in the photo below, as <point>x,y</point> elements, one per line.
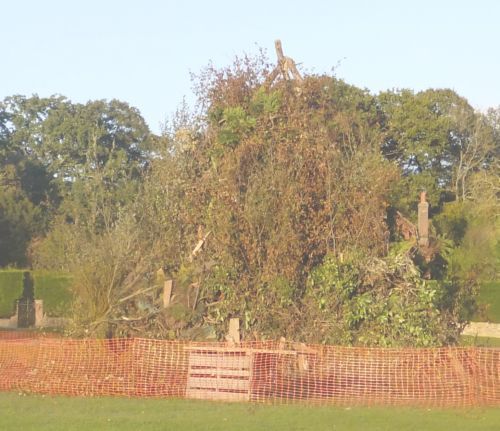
<point>65,159</point>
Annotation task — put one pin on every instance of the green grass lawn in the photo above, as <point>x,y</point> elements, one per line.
<point>469,340</point>
<point>489,296</point>
<point>42,413</point>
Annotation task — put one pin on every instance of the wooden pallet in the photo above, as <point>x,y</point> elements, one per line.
<point>219,374</point>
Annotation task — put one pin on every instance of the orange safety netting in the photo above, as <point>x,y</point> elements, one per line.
<point>277,372</point>
<point>20,334</point>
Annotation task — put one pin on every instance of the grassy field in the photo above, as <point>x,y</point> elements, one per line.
<point>19,412</point>
<point>468,340</point>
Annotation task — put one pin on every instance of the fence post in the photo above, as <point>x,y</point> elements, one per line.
<point>39,313</point>
<point>167,292</point>
<point>234,331</point>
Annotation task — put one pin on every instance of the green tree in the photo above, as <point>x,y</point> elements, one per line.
<point>20,220</point>
<point>437,139</point>
<point>73,160</point>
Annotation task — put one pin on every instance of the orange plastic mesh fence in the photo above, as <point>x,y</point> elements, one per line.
<point>21,334</point>
<point>277,372</point>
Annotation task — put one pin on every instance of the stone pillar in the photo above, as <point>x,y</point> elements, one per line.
<point>39,313</point>
<point>423,221</point>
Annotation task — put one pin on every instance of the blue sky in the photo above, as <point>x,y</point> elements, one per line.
<point>143,51</point>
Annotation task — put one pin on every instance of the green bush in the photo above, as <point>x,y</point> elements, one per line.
<point>11,288</point>
<point>377,302</point>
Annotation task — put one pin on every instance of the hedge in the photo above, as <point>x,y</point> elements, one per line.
<point>52,287</point>
<point>55,290</point>
<point>11,288</point>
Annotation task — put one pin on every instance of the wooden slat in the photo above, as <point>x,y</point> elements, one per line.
<point>238,384</point>
<point>219,361</point>
<point>202,383</point>
<point>200,394</point>
<point>218,383</point>
<point>193,349</point>
<point>222,372</point>
<point>217,375</point>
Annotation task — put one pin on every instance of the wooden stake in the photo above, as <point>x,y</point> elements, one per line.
<point>167,292</point>
<point>234,330</point>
